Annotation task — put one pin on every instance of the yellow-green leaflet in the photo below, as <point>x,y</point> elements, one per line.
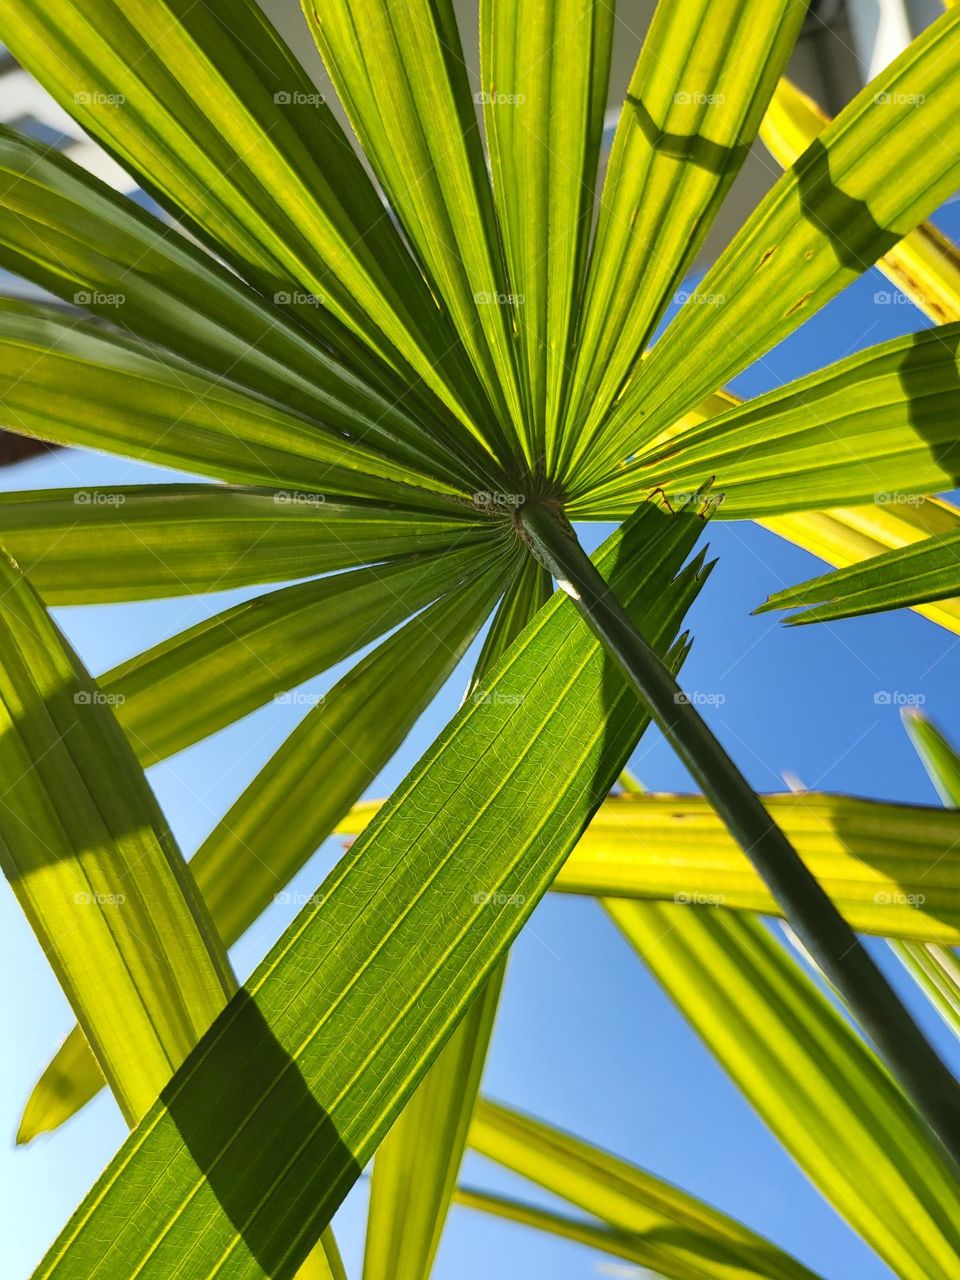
<point>66,231</point>
<point>544,71</point>
<point>98,874</point>
<point>810,1076</point>
<point>692,110</point>
<point>211,675</point>
<point>892,870</point>
<point>621,1244</point>
<point>173,540</point>
<point>73,382</point>
<point>886,162</point>
<point>259,1136</point>
<point>925,265</point>
<point>416,1166</point>
<point>213,114</point>
<point>936,971</point>
<point>291,806</point>
<point>934,968</point>
<point>93,864</point>
<point>418,129</point>
<point>847,537</point>
<point>894,407</point>
<point>925,571</point>
<point>937,754</point>
<point>678,1236</point>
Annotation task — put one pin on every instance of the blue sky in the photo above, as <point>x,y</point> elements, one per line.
<point>585,1038</point>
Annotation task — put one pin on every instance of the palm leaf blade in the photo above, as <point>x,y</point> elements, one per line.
<point>844,537</point>
<point>682,1237</point>
<point>419,131</point>
<point>200,680</point>
<point>887,161</point>
<point>925,265</point>
<point>918,574</point>
<point>213,114</point>
<point>415,1171</point>
<point>292,805</point>
<point>75,384</point>
<point>810,1077</point>
<point>173,540</point>
<point>93,865</point>
<point>935,969</point>
<point>236,1147</point>
<point>893,870</point>
<point>878,424</point>
<point>55,220</point>
<point>544,71</point>
<point>692,110</point>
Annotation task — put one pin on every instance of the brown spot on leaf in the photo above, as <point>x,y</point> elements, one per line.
<point>801,303</point>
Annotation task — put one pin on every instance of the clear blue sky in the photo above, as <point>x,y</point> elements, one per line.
<point>585,1038</point>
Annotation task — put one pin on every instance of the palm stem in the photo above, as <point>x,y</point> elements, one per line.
<point>816,921</point>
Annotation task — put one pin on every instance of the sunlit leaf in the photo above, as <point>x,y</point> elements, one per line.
<point>99,876</point>
<point>935,969</point>
<point>199,680</point>
<point>402,80</point>
<point>811,1078</point>
<point>892,869</point>
<point>416,1166</point>
<point>679,1236</point>
<point>544,71</point>
<point>888,160</point>
<point>212,113</point>
<point>925,265</point>
<point>848,536</point>
<point>70,233</point>
<point>877,424</point>
<point>692,110</point>
<point>312,1062</point>
<point>93,865</point>
<point>174,540</point>
<point>73,383</point>
<point>926,571</point>
<point>291,806</point>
